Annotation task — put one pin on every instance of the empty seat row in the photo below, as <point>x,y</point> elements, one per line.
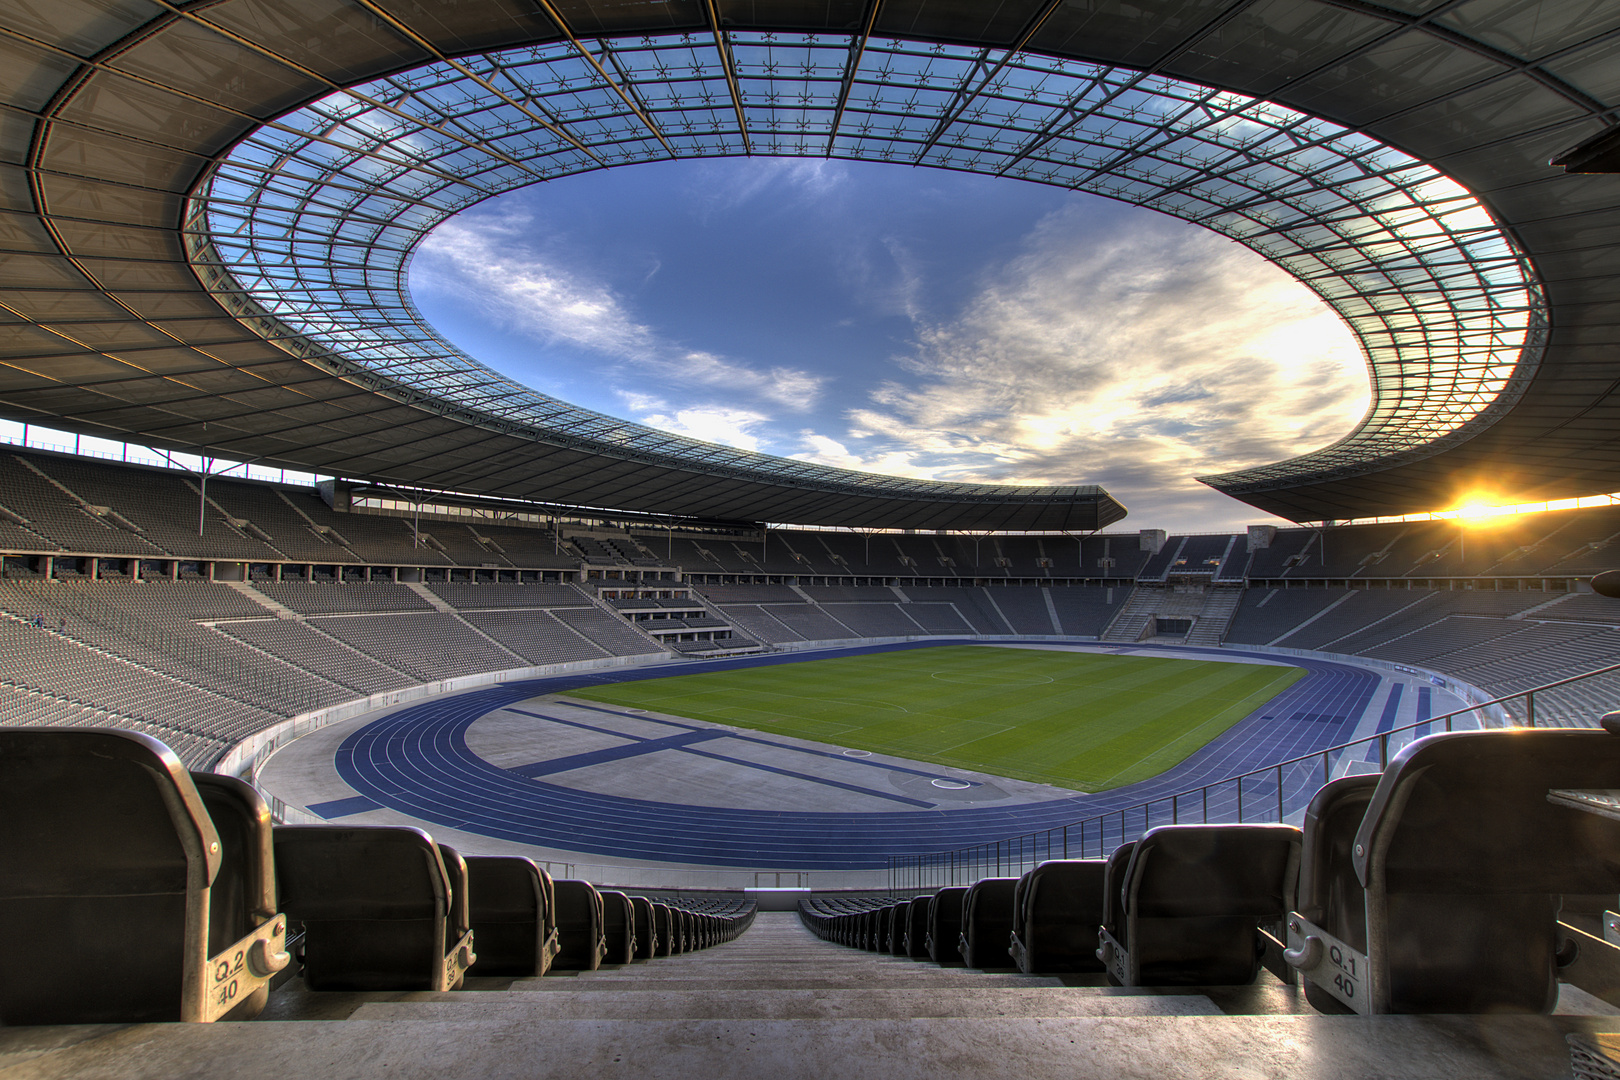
<point>178,894</point>
<point>1455,882</point>
<point>1185,904</point>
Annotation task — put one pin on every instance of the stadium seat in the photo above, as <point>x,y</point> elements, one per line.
<point>645,928</point>
<point>243,896</point>
<point>1192,900</point>
<point>455,868</point>
<point>1057,910</point>
<point>1330,896</point>
<point>1119,860</point>
<point>618,928</point>
<point>895,923</point>
<point>916,928</point>
<point>513,924</point>
<point>987,920</point>
<point>580,941</point>
<point>1463,857</point>
<point>681,927</point>
<point>378,907</point>
<point>108,855</point>
<point>664,932</point>
<point>945,924</point>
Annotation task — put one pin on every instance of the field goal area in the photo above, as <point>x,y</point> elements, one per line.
<point>1077,720</point>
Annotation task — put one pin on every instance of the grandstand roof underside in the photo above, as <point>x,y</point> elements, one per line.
<point>131,311</point>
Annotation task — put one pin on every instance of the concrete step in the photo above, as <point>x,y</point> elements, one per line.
<point>1032,1003</point>
<point>1064,1048</point>
<point>947,979</point>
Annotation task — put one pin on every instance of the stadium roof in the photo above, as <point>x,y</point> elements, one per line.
<point>211,207</point>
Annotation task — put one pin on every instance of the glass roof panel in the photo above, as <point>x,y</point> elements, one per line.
<point>314,215</point>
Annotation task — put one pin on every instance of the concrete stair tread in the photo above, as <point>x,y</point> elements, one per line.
<point>1070,1048</point>
<point>791,1005</point>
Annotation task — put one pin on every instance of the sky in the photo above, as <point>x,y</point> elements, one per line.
<point>906,321</point>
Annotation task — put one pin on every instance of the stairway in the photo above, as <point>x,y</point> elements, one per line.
<point>1213,619</point>
<point>780,1004</point>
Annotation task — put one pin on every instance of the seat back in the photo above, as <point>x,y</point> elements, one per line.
<point>945,924</point>
<point>509,915</point>
<point>1119,861</point>
<point>663,930</point>
<point>1195,895</point>
<point>987,920</point>
<point>375,902</point>
<point>1330,894</point>
<point>107,854</point>
<point>646,934</point>
<point>1060,908</point>
<point>243,895</point>
<point>581,944</point>
<point>1463,857</point>
<point>618,928</point>
<point>896,928</point>
<point>917,927</point>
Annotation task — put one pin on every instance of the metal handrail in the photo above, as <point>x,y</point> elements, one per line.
<point>995,857</point>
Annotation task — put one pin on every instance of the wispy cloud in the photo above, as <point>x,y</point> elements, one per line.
<point>711,423</point>
<point>487,264</point>
<point>723,188</point>
<point>1135,357</point>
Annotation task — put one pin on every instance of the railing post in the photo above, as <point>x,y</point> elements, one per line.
<point>1240,800</point>
<point>1279,795</point>
<point>1066,839</point>
<point>1530,707</point>
<point>1175,809</point>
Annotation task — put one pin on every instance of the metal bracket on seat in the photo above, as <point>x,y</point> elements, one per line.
<point>1328,962</point>
<point>1115,957</point>
<point>456,962</point>
<point>242,969</point>
<point>1595,965</point>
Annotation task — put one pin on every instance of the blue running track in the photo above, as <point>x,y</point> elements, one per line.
<point>416,761</point>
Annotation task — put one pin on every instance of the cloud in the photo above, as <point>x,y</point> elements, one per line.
<point>711,423</point>
<point>1135,354</point>
<point>728,186</point>
<point>484,262</point>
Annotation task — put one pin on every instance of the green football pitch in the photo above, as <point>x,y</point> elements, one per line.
<point>1085,721</point>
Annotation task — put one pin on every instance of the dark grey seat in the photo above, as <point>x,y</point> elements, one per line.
<point>1330,895</point>
<point>1192,901</point>
<point>916,927</point>
<point>663,930</point>
<point>580,941</point>
<point>1113,920</point>
<point>618,928</point>
<point>243,896</point>
<point>945,924</point>
<point>1463,858</point>
<point>895,928</point>
<point>1057,910</point>
<point>378,905</point>
<point>987,921</point>
<point>108,860</point>
<point>513,922</point>
<point>645,928</point>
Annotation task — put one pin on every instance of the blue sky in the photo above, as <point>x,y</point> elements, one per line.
<point>902,320</point>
